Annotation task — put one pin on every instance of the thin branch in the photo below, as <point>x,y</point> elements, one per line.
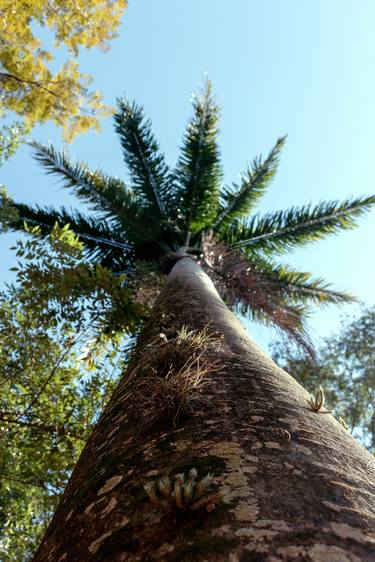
<point>6,75</point>
<point>56,366</point>
<point>28,483</point>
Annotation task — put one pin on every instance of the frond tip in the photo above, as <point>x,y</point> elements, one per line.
<point>142,156</point>
<point>198,171</point>
<point>240,199</point>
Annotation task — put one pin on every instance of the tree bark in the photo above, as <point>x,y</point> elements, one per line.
<point>290,483</point>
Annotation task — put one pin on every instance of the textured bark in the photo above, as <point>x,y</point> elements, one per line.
<point>295,485</point>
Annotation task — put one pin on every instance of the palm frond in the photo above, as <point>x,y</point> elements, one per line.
<point>198,170</point>
<point>103,242</point>
<point>239,200</point>
<point>109,196</point>
<point>141,153</point>
<point>104,193</point>
<point>297,286</point>
<point>280,231</point>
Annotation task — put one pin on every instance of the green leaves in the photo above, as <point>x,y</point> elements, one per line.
<point>239,200</point>
<point>279,232</point>
<point>63,329</point>
<point>198,171</point>
<point>298,286</point>
<point>10,138</point>
<point>141,153</point>
<point>8,213</point>
<point>345,367</point>
<point>104,242</point>
<point>103,193</point>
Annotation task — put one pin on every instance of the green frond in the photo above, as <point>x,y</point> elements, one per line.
<point>298,286</point>
<point>198,171</point>
<point>104,243</point>
<point>146,164</point>
<point>280,231</point>
<point>239,200</point>
<point>104,193</point>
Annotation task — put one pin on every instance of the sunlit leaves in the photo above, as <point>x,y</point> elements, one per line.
<point>29,86</point>
<point>10,138</point>
<point>142,156</point>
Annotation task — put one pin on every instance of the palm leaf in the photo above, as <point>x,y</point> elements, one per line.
<point>297,286</point>
<point>104,193</point>
<point>147,166</point>
<point>198,170</point>
<point>283,230</point>
<point>240,199</point>
<point>103,242</point>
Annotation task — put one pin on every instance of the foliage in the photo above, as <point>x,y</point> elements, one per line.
<point>345,367</point>
<point>163,212</point>
<point>60,354</point>
<point>29,86</point>
<point>10,138</point>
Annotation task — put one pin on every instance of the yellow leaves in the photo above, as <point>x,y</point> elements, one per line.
<point>29,86</point>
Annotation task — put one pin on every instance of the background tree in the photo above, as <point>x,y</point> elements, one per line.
<point>345,367</point>
<point>10,138</point>
<point>58,365</point>
<point>29,85</point>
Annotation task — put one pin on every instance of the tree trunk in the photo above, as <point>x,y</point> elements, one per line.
<point>289,483</point>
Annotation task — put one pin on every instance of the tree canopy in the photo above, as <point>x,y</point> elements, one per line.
<point>164,211</point>
<point>60,355</point>
<point>10,138</point>
<point>30,86</point>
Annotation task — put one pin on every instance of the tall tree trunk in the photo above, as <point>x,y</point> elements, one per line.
<point>290,483</point>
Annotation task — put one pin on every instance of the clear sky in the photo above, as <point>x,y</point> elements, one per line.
<point>277,66</point>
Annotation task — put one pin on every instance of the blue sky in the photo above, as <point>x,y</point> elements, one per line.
<point>297,67</point>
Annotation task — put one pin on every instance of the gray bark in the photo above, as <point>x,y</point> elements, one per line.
<point>290,483</point>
